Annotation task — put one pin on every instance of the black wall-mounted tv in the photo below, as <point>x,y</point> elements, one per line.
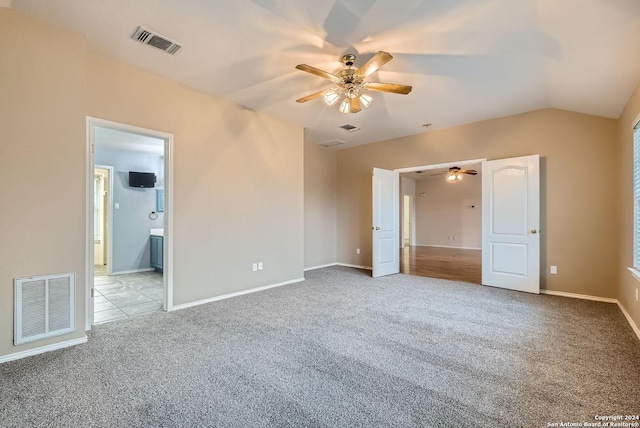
<point>142,179</point>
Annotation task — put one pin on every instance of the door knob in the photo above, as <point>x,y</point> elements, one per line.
<point>377,228</point>
<point>534,231</point>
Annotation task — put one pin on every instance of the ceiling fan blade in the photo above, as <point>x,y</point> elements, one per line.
<point>354,105</point>
<point>376,61</point>
<point>440,173</point>
<point>388,87</point>
<point>469,171</point>
<point>311,97</point>
<point>318,72</point>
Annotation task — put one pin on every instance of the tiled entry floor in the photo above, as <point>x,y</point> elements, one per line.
<point>121,296</point>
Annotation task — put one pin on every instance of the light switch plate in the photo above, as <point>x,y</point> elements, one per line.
<point>553,270</point>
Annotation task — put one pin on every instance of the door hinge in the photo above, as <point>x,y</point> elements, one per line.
<point>93,148</point>
<point>92,292</point>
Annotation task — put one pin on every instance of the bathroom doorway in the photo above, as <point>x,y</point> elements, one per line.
<point>129,259</point>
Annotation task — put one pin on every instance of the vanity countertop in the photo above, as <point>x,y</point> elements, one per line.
<point>156,232</point>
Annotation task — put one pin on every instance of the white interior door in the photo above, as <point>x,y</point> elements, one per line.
<point>511,223</point>
<point>386,212</point>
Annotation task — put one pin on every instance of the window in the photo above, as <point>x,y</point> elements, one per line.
<point>636,196</point>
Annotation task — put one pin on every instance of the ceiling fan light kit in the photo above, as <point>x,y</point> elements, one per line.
<point>455,174</point>
<point>350,84</point>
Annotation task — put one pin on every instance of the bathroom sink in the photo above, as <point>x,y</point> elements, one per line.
<point>156,232</point>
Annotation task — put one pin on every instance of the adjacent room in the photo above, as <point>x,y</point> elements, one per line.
<point>325,213</point>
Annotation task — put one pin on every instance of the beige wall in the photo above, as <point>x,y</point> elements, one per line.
<point>42,161</point>
<point>445,211</point>
<point>627,284</point>
<point>238,180</point>
<point>234,170</point>
<point>319,205</point>
<point>578,185</point>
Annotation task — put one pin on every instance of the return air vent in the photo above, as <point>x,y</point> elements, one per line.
<point>331,143</point>
<point>148,37</point>
<point>44,307</point>
<point>350,128</point>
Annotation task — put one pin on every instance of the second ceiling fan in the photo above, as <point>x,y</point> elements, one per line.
<point>350,84</point>
<point>455,174</point>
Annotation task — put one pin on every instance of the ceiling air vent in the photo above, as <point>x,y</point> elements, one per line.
<point>350,128</point>
<point>148,37</point>
<point>331,143</point>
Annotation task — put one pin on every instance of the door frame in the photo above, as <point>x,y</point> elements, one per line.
<point>91,124</point>
<point>108,213</point>
<point>411,213</point>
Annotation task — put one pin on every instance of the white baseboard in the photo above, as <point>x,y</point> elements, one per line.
<point>125,272</point>
<point>319,267</point>
<point>229,295</point>
<point>578,296</point>
<point>43,349</point>
<point>635,328</point>
<point>633,325</point>
<point>447,246</point>
<point>354,266</point>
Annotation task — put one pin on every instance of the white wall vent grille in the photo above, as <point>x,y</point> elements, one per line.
<point>331,143</point>
<point>150,38</point>
<point>44,307</point>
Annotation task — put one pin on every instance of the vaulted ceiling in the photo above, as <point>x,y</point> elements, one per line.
<point>467,60</point>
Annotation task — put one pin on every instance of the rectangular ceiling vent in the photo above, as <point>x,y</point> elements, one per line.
<point>350,128</point>
<point>150,38</point>
<point>331,143</point>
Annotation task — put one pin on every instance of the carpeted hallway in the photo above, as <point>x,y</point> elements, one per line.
<point>340,349</point>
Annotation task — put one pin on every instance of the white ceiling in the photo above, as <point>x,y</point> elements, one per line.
<point>467,60</point>
<point>122,140</point>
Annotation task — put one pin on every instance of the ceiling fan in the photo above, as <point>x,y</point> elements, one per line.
<point>455,174</point>
<point>350,84</point>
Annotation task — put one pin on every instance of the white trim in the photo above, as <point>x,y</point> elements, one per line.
<point>237,293</point>
<point>633,325</point>
<point>354,266</point>
<point>440,165</point>
<point>635,273</point>
<point>635,122</point>
<point>448,246</point>
<point>578,296</point>
<point>319,267</point>
<point>88,250</point>
<point>109,216</point>
<point>43,349</point>
<point>125,272</point>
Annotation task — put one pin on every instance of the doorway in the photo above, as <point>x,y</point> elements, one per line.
<point>447,222</point>
<point>510,219</point>
<point>101,219</point>
<point>124,218</point>
<point>407,220</point>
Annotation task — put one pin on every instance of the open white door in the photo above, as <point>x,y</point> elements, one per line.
<point>511,223</point>
<point>386,212</point>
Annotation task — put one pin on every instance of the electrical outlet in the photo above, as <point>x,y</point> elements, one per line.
<point>255,267</point>
<point>357,250</point>
<point>553,270</point>
<point>259,265</point>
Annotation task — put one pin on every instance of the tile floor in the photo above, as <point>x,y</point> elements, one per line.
<point>122,296</point>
